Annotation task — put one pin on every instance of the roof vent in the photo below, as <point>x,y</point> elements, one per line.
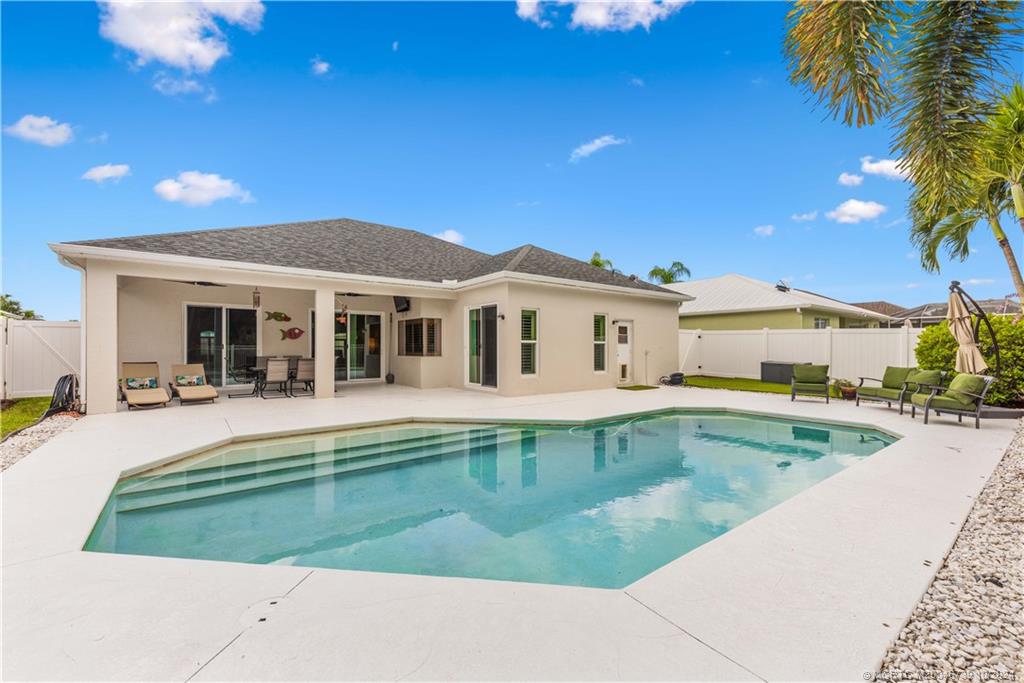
<point>782,286</point>
<point>634,278</point>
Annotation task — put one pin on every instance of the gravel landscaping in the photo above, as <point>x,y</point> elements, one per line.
<point>24,442</point>
<point>970,623</point>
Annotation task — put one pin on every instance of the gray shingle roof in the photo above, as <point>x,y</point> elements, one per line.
<point>349,246</point>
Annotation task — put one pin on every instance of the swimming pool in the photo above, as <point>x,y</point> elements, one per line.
<point>596,505</point>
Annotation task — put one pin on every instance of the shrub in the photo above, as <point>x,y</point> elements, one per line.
<point>936,350</point>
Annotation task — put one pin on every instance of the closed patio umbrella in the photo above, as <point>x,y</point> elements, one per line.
<point>968,357</point>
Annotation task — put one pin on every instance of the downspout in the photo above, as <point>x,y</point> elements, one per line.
<point>65,261</point>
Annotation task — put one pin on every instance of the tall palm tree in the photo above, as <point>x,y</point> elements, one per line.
<point>600,262</point>
<point>1004,144</point>
<point>666,276</point>
<point>939,82</point>
<point>951,228</point>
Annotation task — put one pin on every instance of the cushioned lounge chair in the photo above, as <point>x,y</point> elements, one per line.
<point>189,385</point>
<point>897,385</point>
<point>305,374</point>
<point>809,380</point>
<point>140,385</point>
<point>965,395</point>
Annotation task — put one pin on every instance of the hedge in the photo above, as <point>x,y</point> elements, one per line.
<point>936,350</point>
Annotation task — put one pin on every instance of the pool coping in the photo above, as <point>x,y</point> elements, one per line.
<point>911,519</point>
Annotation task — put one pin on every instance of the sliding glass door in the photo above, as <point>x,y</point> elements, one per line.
<point>223,339</point>
<point>358,345</point>
<point>482,351</point>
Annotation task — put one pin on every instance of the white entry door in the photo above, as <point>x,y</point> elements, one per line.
<point>624,350</point>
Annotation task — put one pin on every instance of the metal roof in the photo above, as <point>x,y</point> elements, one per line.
<point>734,293</point>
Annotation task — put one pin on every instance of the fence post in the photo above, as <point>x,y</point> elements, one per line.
<point>828,339</point>
<point>904,346</point>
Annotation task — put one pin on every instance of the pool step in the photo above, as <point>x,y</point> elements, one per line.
<point>135,500</point>
<point>223,471</point>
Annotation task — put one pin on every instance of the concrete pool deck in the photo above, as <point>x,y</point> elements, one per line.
<point>815,588</point>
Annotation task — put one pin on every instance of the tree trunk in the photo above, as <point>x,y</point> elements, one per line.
<point>1011,260</point>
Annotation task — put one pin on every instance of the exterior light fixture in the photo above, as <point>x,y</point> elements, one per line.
<point>256,298</point>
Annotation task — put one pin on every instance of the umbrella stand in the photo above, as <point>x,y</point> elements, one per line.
<point>979,317</point>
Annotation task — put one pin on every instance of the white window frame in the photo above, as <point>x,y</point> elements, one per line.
<point>604,343</point>
<point>535,342</point>
<point>828,323</point>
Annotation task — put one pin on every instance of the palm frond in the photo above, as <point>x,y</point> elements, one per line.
<point>954,59</point>
<point>839,51</point>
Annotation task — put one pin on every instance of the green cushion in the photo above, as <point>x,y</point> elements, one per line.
<point>974,384</point>
<point>940,402</point>
<point>879,392</point>
<point>895,377</point>
<point>816,387</point>
<point>916,377</point>
<point>810,373</point>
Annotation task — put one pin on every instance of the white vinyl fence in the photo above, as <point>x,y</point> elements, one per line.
<point>849,353</point>
<point>35,355</point>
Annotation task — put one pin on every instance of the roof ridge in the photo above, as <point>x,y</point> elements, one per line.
<point>518,258</point>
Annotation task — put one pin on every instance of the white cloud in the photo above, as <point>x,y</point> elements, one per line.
<point>100,139</point>
<point>911,255</point>
<point>637,81</point>
<point>913,285</point>
<point>764,230</point>
<point>394,46</point>
<point>606,15</point>
<point>449,235</point>
<point>887,168</point>
<point>320,67</point>
<point>41,130</point>
<point>850,179</point>
<point>981,281</point>
<point>855,211</point>
<point>186,35</point>
<point>193,188</point>
<point>101,174</point>
<point>595,145</point>
<point>166,84</point>
<point>803,217</point>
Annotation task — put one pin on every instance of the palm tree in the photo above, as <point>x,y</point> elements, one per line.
<point>991,197</point>
<point>938,83</point>
<point>600,262</point>
<point>1004,144</point>
<point>666,276</point>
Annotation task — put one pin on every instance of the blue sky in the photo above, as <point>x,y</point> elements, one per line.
<point>690,143</point>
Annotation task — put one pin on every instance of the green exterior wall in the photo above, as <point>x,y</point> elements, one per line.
<point>773,320</point>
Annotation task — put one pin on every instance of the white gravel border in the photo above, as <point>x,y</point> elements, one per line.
<point>970,623</point>
<point>24,442</point>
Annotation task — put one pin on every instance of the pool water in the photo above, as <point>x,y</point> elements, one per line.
<point>597,505</point>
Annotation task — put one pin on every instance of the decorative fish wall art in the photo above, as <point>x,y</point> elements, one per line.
<point>278,316</point>
<point>292,333</point>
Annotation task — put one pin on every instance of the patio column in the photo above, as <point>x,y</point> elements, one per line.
<point>100,319</point>
<point>323,343</point>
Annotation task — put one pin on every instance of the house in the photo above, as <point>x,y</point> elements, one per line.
<point>736,302</point>
<point>885,308</point>
<point>395,302</point>
<point>933,314</point>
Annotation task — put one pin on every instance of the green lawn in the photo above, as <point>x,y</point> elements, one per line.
<point>740,384</point>
<point>21,412</point>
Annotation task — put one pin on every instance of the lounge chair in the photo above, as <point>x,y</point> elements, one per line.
<point>305,371</point>
<point>189,384</point>
<point>965,395</point>
<point>897,385</point>
<point>140,385</point>
<point>809,380</point>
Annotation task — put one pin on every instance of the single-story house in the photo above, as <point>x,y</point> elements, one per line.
<point>933,314</point>
<point>396,303</point>
<point>736,302</point>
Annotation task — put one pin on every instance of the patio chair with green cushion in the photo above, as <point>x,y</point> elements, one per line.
<point>189,385</point>
<point>809,380</point>
<point>892,390</point>
<point>965,395</point>
<point>140,385</point>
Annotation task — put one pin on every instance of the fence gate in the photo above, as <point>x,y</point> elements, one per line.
<point>36,353</point>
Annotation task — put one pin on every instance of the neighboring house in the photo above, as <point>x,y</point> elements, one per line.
<point>736,302</point>
<point>933,314</point>
<point>885,308</point>
<point>432,313</point>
